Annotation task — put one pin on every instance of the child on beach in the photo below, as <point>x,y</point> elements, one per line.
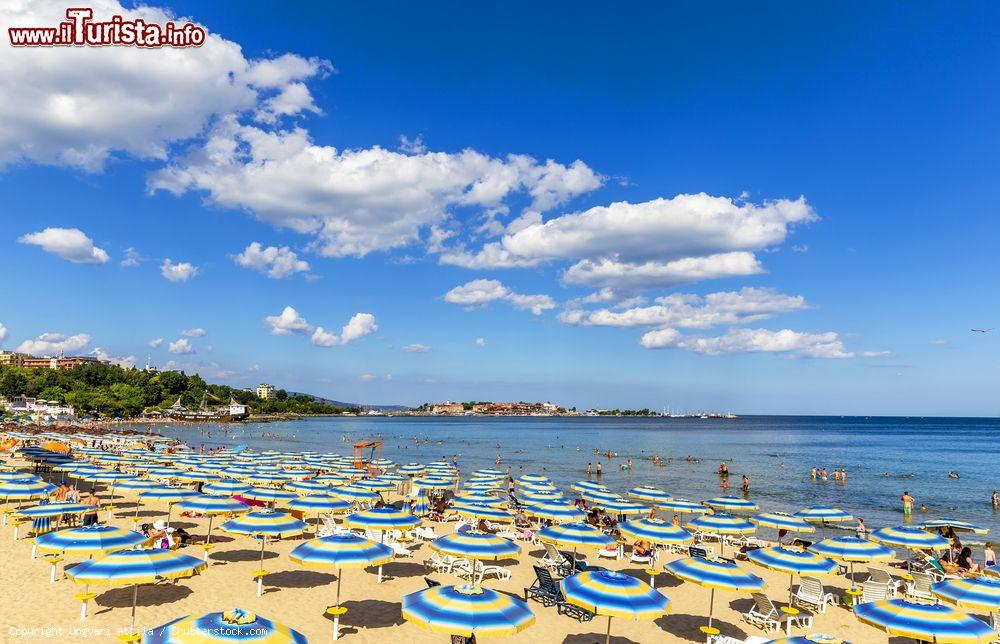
<point>989,557</point>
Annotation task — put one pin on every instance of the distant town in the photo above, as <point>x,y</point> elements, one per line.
<point>85,387</point>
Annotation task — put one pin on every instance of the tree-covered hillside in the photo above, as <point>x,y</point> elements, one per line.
<point>112,391</point>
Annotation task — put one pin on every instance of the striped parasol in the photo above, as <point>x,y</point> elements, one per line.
<point>584,486</point>
<point>356,494</point>
<point>655,531</point>
<point>683,506</point>
<point>907,536</point>
<point>481,511</point>
<point>559,512</point>
<point>197,476</point>
<point>824,514</point>
<point>258,477</point>
<point>782,521</point>
<point>337,552</point>
<point>622,507</point>
<point>954,524</point>
<point>136,485</point>
<point>532,496</point>
<point>212,505</point>
<point>731,504</point>
<point>88,540</point>
<point>318,504</point>
<point>721,524</point>
<point>478,484</point>
<point>480,497</point>
<point>979,593</point>
<point>134,567</point>
<point>792,561</point>
<point>476,545</point>
<point>226,487</point>
<point>467,611</point>
<point>421,506</point>
<point>54,510</point>
<point>926,622</point>
<point>25,489</point>
<point>376,484</point>
<point>651,494</point>
<point>851,549</point>
<point>262,525</point>
<point>605,592</point>
<point>385,518</point>
<point>715,575</point>
<point>236,625</point>
<point>308,487</point>
<point>533,478</point>
<point>269,494</point>
<point>162,493</point>
<point>432,483</point>
<point>599,496</point>
<point>574,535</point>
<point>411,468</point>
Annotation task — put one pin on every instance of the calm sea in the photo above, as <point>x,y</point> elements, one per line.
<point>776,452</point>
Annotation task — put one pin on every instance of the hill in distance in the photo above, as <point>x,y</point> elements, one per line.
<point>339,403</point>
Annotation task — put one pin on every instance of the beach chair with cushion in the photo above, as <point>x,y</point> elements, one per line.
<point>764,615</point>
<point>649,559</point>
<point>545,589</point>
<point>920,588</point>
<point>873,591</point>
<point>613,551</point>
<point>882,576</point>
<point>812,594</point>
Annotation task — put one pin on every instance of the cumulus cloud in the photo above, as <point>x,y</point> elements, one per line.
<point>749,304</point>
<point>196,332</point>
<point>182,346</point>
<point>155,342</point>
<point>287,323</point>
<point>367,377</point>
<point>50,344</point>
<point>69,243</point>
<point>273,261</point>
<point>146,99</point>
<point>416,347</point>
<point>785,341</point>
<point>360,325</point>
<point>354,202</point>
<point>482,291</point>
<point>130,258</point>
<point>480,342</point>
<point>126,362</point>
<point>657,243</point>
<point>179,272</point>
<point>3,333</point>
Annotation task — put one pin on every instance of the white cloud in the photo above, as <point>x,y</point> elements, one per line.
<point>480,342</point>
<point>196,332</point>
<point>155,342</point>
<point>69,243</point>
<point>287,323</point>
<point>3,333</point>
<point>482,291</point>
<point>785,341</point>
<point>360,325</point>
<point>182,346</point>
<point>692,311</point>
<point>416,347</point>
<point>179,272</point>
<point>939,342</point>
<point>146,99</point>
<point>354,202</point>
<point>130,258</point>
<point>367,377</point>
<point>275,262</point>
<point>653,274</point>
<point>126,362</point>
<point>801,248</point>
<point>412,146</point>
<point>50,344</point>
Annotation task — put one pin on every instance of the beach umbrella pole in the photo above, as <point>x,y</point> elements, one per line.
<point>711,605</point>
<point>607,638</point>
<point>135,519</point>
<point>260,576</point>
<point>336,613</point>
<point>135,600</point>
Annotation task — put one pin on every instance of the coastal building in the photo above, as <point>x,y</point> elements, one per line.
<point>12,358</point>
<point>265,391</point>
<point>35,407</point>
<point>57,362</point>
<point>234,411</point>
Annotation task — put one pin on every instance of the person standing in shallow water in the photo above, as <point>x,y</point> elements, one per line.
<point>590,470</point>
<point>599,469</point>
<point>907,504</point>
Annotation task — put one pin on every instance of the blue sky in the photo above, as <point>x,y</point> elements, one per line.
<point>834,262</point>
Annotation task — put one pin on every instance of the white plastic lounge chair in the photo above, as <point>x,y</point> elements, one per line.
<point>482,570</point>
<point>552,558</point>
<point>649,560</point>
<point>811,593</point>
<point>614,551</point>
<point>438,562</point>
<point>872,591</point>
<point>327,527</point>
<point>882,576</point>
<point>763,614</point>
<point>920,587</point>
<point>425,533</point>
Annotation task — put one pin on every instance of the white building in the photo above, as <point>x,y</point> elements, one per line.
<point>35,407</point>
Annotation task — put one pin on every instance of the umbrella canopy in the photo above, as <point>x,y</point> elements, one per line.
<point>466,611</point>
<point>479,484</point>
<point>721,524</point>
<point>533,496</point>
<point>955,524</point>
<point>354,493</point>
<point>583,486</point>
<point>211,505</point>
<point>308,486</point>
<point>89,539</point>
<point>136,485</point>
<point>614,594</point>
<point>377,483</point>
<point>651,494</point>
<point>433,483</point>
<point>824,514</point>
<point>54,510</point>
<point>266,523</point>
<point>167,493</point>
<point>655,531</point>
<point>719,574</point>
<point>227,487</point>
<point>559,512</point>
<point>980,593</point>
<point>481,511</point>
<point>683,506</point>
<point>575,535</point>
<point>140,566</point>
<point>599,496</point>
<point>318,504</point>
<point>474,545</point>
<point>24,489</point>
<point>851,549</point>
<point>480,497</point>
<point>623,507</point>
<point>732,504</point>
<point>792,561</point>
<point>269,494</point>
<point>533,478</point>
<point>236,625</point>
<point>341,551</point>
<point>782,521</point>
<point>910,537</point>
<point>411,468</point>
<point>926,622</point>
<point>197,476</point>
<point>385,518</point>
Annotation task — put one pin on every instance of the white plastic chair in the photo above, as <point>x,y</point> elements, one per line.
<point>811,593</point>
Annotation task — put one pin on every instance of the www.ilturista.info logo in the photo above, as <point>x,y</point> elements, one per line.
<point>81,31</point>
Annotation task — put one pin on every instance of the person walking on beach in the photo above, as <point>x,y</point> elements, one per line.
<point>90,517</point>
<point>908,502</point>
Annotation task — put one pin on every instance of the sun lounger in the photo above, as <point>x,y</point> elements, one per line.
<point>920,588</point>
<point>544,588</point>
<point>614,551</point>
<point>552,558</point>
<point>764,615</point>
<point>571,564</point>
<point>701,552</point>
<point>811,593</point>
<point>882,576</point>
<point>872,591</point>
